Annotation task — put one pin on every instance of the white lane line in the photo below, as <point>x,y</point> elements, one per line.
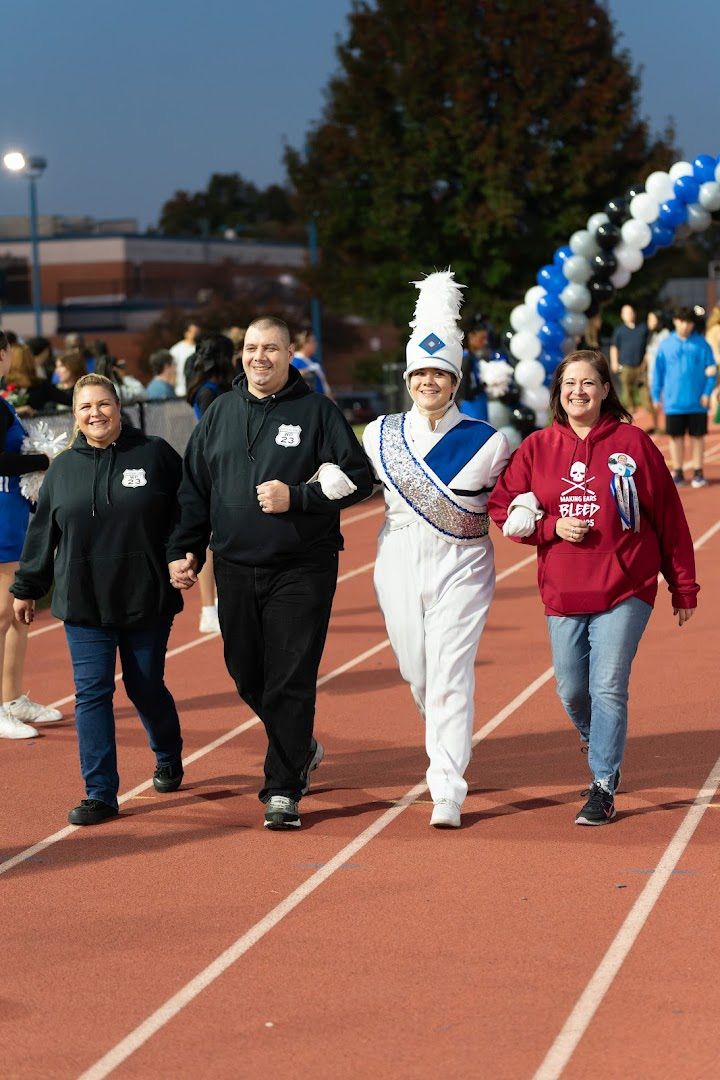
<point>590,1000</point>
<point>28,853</point>
<point>169,1009</point>
<point>592,996</point>
<point>56,625</point>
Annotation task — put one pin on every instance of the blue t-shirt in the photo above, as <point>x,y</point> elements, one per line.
<point>679,375</point>
<point>631,342</point>
<point>159,390</point>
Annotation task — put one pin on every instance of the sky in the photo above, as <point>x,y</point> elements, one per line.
<point>131,101</point>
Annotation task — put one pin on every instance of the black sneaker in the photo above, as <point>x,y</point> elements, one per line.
<point>318,753</point>
<point>281,813</point>
<point>599,809</point>
<point>91,812</point>
<point>168,777</point>
<point>679,479</point>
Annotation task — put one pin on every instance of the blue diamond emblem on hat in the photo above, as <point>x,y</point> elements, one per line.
<point>432,344</point>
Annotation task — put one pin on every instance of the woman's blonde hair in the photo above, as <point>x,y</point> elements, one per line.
<point>91,380</point>
<point>714,318</point>
<point>22,371</point>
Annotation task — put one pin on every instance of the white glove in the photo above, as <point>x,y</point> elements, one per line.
<point>333,482</point>
<point>524,513</point>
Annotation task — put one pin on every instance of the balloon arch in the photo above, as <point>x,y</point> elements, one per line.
<point>600,259</point>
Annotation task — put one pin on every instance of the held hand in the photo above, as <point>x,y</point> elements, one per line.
<point>704,401</point>
<point>334,483</point>
<point>520,522</point>
<point>574,530</point>
<point>183,572</point>
<point>273,497</point>
<point>24,610</point>
<point>683,614</point>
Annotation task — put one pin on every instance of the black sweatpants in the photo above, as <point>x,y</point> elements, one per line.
<point>274,623</point>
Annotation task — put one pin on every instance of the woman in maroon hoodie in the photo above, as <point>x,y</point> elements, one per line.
<point>595,496</point>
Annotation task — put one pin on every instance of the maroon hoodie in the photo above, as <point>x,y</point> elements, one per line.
<point>572,477</point>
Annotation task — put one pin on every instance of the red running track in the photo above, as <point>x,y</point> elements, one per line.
<point>184,940</point>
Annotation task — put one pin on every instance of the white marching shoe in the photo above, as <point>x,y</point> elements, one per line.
<point>445,815</point>
<point>31,712</point>
<point>209,622</point>
<point>10,728</point>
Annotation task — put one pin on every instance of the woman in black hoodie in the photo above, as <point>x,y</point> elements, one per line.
<point>105,511</point>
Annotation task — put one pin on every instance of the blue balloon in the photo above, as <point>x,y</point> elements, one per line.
<point>649,251</point>
<point>672,213</point>
<point>550,358</point>
<point>551,334</point>
<point>551,307</point>
<point>687,189</point>
<point>662,235</point>
<point>551,278</point>
<point>562,254</point>
<point>499,356</point>
<point>704,168</point>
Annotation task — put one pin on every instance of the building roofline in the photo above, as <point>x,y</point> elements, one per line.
<point>243,240</point>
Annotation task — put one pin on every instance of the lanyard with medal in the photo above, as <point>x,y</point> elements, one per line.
<point>624,491</point>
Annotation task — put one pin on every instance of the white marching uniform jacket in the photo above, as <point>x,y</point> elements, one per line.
<point>435,572</point>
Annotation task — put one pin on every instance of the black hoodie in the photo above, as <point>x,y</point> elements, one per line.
<point>100,530</point>
<point>243,441</point>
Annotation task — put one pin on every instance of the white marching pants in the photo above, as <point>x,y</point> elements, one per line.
<point>435,598</point>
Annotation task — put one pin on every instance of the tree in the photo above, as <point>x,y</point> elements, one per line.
<point>228,203</point>
<point>477,133</point>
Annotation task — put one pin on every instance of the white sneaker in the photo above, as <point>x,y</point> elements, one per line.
<point>209,621</point>
<point>31,712</point>
<point>10,728</point>
<point>445,815</point>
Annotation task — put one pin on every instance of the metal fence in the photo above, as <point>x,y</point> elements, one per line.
<point>171,420</point>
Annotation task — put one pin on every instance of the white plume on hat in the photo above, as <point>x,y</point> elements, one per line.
<point>436,339</point>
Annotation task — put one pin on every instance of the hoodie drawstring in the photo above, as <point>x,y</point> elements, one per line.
<point>108,477</point>
<point>251,442</point>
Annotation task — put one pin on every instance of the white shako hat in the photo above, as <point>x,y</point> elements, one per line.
<point>436,339</point>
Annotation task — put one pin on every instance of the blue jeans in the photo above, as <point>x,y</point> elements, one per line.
<point>142,655</point>
<point>592,655</point>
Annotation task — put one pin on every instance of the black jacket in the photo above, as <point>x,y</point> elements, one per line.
<point>100,530</point>
<point>243,441</point>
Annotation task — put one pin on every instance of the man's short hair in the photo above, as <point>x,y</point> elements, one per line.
<point>685,314</point>
<point>270,322</point>
<point>159,360</point>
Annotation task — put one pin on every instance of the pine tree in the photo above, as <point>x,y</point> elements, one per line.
<point>477,133</point>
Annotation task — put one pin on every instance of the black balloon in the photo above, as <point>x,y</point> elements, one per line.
<point>604,265</point>
<point>593,309</point>
<point>617,210</point>
<point>523,418</point>
<point>608,236</point>
<point>633,190</point>
<point>511,395</point>
<point>600,290</point>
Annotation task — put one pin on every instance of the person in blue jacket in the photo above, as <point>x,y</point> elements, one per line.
<point>683,380</point>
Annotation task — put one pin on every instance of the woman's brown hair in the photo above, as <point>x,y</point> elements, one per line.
<point>74,361</point>
<point>610,405</point>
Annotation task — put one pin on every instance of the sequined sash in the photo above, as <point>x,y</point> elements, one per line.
<point>421,489</point>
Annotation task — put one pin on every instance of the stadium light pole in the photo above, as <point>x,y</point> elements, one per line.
<point>32,169</point>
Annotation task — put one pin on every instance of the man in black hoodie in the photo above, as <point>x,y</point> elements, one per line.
<point>249,478</point>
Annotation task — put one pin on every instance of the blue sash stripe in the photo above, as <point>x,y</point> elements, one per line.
<point>457,447</point>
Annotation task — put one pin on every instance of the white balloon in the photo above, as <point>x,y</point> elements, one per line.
<point>620,278</point>
<point>537,397</point>
<point>583,243</point>
<point>644,207</point>
<point>680,168</point>
<point>533,295</point>
<point>498,414</point>
<point>574,323</point>
<point>577,268</point>
<point>629,258</point>
<point>525,346</point>
<point>710,195</point>
<point>698,217</point>
<point>660,185</point>
<point>636,233</point>
<point>596,220</point>
<point>576,297</point>
<point>512,435</point>
<point>520,317</point>
<point>567,345</point>
<point>529,373</point>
